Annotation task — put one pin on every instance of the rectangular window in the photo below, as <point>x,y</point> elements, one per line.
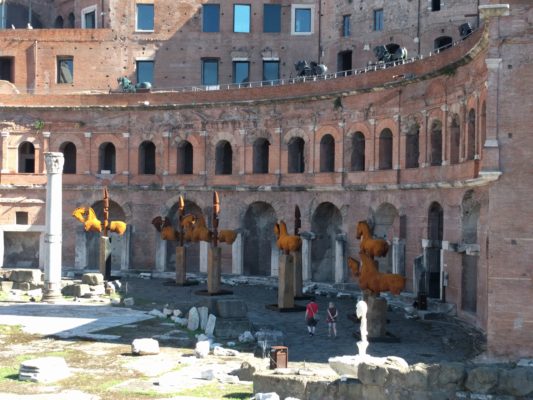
<point>65,70</point>
<point>21,217</point>
<point>272,18</point>
<point>145,71</point>
<point>346,25</point>
<point>378,20</point>
<point>270,70</point>
<point>88,17</point>
<point>302,19</point>
<point>241,18</point>
<point>435,5</point>
<point>145,17</point>
<point>241,71</point>
<point>211,18</point>
<point>210,71</point>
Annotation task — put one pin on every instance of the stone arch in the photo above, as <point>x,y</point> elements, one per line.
<point>185,154</point>
<point>107,157</point>
<point>260,155</point>
<point>326,223</point>
<point>386,223</point>
<point>147,162</point>
<point>433,260</point>
<point>455,139</point>
<point>26,158</point>
<point>327,153</point>
<point>385,149</point>
<point>118,243</point>
<point>69,153</point>
<point>259,239</point>
<point>470,211</point>
<point>471,135</point>
<point>435,154</point>
<point>223,158</point>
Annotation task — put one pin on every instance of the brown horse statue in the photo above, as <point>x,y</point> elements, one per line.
<point>371,247</point>
<point>371,279</point>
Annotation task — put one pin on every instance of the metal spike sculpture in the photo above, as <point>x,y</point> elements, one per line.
<point>297,220</point>
<point>216,211</point>
<point>181,211</point>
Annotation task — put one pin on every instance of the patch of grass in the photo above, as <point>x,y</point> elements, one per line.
<point>8,373</point>
<point>218,390</point>
<point>10,329</point>
<point>3,296</point>
<point>91,383</point>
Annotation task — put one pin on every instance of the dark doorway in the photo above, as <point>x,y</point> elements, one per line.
<point>436,144</point>
<point>260,155</point>
<point>223,158</point>
<point>185,158</point>
<point>385,149</point>
<point>26,158</point>
<point>106,158</point>
<point>470,217</point>
<point>344,62</point>
<point>357,158</point>
<point>471,144</point>
<point>455,139</point>
<point>147,158</point>
<point>435,234</point>
<point>69,153</point>
<point>296,155</point>
<point>327,154</point>
<point>442,43</point>
<point>259,239</point>
<point>6,69</point>
<point>412,146</point>
<point>326,224</point>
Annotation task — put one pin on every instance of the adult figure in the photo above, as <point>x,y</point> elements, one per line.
<point>311,317</point>
<point>332,319</point>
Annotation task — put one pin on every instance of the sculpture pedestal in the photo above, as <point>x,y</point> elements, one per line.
<point>104,259</point>
<point>286,281</point>
<point>181,266</point>
<point>377,317</point>
<point>298,279</point>
<point>214,257</point>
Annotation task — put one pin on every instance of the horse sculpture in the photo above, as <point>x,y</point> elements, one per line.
<point>286,242</point>
<point>91,223</point>
<point>195,229</point>
<point>390,53</point>
<point>305,68</point>
<point>128,87</point>
<point>371,247</point>
<point>164,226</point>
<point>371,279</point>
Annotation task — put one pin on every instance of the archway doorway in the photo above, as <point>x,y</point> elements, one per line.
<point>326,224</point>
<point>259,239</point>
<point>469,218</point>
<point>433,259</point>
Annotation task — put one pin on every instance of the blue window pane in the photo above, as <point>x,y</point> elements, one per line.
<point>209,72</point>
<point>241,18</point>
<point>272,18</point>
<point>145,71</point>
<point>346,25</point>
<point>211,17</point>
<point>90,20</point>
<point>302,20</point>
<point>378,20</point>
<point>145,17</point>
<point>65,70</point>
<point>241,70</point>
<point>270,70</point>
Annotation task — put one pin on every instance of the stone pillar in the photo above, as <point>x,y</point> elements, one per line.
<point>204,248</point>
<point>4,160</point>
<point>54,219</point>
<point>491,149</point>
<point>298,280</point>
<point>125,249</point>
<point>45,148</point>
<point>237,255</point>
<point>286,281</point>
<point>340,264</point>
<point>274,260</point>
<point>307,238</point>
<point>181,265</point>
<point>398,256</point>
<point>42,250</point>
<point>160,255</point>
<point>213,269</point>
<point>1,248</point>
<point>377,317</point>
<point>104,257</point>
<point>446,140</point>
<point>80,251</point>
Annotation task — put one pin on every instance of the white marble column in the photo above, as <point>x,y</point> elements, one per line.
<point>307,238</point>
<point>274,260</point>
<point>340,263</point>
<point>54,220</point>
<point>160,254</point>
<point>204,249</point>
<point>237,255</point>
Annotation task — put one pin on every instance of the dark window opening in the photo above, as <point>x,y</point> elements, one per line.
<point>69,153</point>
<point>147,158</point>
<point>378,20</point>
<point>211,17</point>
<point>435,5</point>
<point>185,158</point>
<point>65,70</point>
<point>357,161</point>
<point>455,140</point>
<point>346,25</point>
<point>412,147</point>
<point>145,17</point>
<point>442,43</point>
<point>21,218</point>
<point>241,72</point>
<point>385,149</point>
<point>71,21</point>
<point>327,154</point>
<point>272,18</point>
<point>145,71</point>
<point>344,61</point>
<point>58,24</point>
<point>270,70</point>
<point>436,144</point>
<point>90,20</point>
<point>209,71</point>
<point>223,158</point>
<point>26,158</point>
<point>296,155</point>
<point>106,158</point>
<point>471,144</point>
<point>260,155</point>
<point>6,69</point>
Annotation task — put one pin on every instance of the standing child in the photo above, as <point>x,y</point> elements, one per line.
<point>332,319</point>
<point>311,316</point>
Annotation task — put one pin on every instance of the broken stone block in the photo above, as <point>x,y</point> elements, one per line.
<point>46,369</point>
<point>6,286</point>
<point>24,286</point>
<point>128,302</point>
<point>203,312</point>
<point>92,279</point>
<point>146,346</point>
<point>30,275</point>
<point>193,320</point>
<point>231,308</point>
<point>202,349</point>
<point>210,326</point>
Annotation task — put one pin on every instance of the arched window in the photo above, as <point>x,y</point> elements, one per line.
<point>296,155</point>
<point>442,43</point>
<point>185,158</point>
<point>106,158</point>
<point>435,221</point>
<point>357,159</point>
<point>327,154</point>
<point>26,158</point>
<point>58,24</point>
<point>412,146</point>
<point>147,158</point>
<point>261,152</point>
<point>223,158</point>
<point>471,143</point>
<point>69,153</point>
<point>71,21</point>
<point>385,149</point>
<point>436,143</point>
<point>455,139</point>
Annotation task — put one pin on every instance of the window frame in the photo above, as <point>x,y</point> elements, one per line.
<point>204,21</point>
<point>278,17</point>
<point>346,25</point>
<point>433,4</point>
<point>137,5</point>
<point>266,61</point>
<point>214,60</point>
<point>89,10</point>
<point>294,8</point>
<point>249,6</point>
<point>379,23</point>
<point>60,59</point>
<point>234,70</point>
<point>141,61</point>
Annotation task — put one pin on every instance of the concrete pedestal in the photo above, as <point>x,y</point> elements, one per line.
<point>181,266</point>
<point>104,257</point>
<point>286,281</point>
<point>298,278</point>
<point>214,258</point>
<point>377,317</point>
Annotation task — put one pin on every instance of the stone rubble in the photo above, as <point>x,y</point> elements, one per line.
<point>145,346</point>
<point>45,369</point>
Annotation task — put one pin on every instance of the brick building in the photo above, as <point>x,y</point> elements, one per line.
<point>432,149</point>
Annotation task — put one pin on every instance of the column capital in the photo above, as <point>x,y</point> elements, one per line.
<point>46,134</point>
<point>493,63</point>
<point>371,121</point>
<point>54,162</point>
<point>125,135</point>
<point>494,10</point>
<point>444,107</point>
<point>87,134</point>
